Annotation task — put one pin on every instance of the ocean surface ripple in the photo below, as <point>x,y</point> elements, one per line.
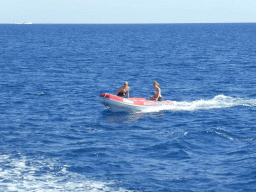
<point>57,136</point>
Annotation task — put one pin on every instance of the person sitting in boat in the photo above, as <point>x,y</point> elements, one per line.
<point>157,94</point>
<point>122,91</point>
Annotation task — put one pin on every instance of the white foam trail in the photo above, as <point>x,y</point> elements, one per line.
<point>218,102</point>
<point>23,174</point>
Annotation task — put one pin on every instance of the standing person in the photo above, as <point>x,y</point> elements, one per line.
<point>122,91</point>
<point>157,94</point>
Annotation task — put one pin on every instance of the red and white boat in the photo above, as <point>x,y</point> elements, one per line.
<point>131,104</point>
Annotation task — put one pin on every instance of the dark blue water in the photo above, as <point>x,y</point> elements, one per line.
<point>57,136</point>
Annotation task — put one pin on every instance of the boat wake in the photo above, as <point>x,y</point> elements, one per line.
<point>18,173</point>
<point>218,102</point>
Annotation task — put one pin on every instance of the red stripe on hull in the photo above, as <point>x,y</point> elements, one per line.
<point>136,100</point>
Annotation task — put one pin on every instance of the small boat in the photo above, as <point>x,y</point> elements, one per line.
<point>27,23</point>
<point>131,104</point>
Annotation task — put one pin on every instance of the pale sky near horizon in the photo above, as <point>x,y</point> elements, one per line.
<point>127,11</point>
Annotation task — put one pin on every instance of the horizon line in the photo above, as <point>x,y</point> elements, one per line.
<point>127,23</point>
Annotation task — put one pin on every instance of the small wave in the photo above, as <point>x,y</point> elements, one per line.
<point>231,137</point>
<point>42,93</point>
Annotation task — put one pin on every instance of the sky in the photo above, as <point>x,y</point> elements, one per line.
<point>127,11</point>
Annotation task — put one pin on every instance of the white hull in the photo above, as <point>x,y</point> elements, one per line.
<point>117,106</point>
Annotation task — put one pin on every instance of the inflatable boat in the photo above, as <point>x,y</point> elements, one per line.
<point>131,104</point>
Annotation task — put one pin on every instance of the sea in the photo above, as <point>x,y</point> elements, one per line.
<point>55,135</point>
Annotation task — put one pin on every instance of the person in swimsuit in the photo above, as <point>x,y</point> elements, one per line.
<point>157,94</point>
<point>122,91</point>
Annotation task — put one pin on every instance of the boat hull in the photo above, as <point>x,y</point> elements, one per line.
<point>120,104</point>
